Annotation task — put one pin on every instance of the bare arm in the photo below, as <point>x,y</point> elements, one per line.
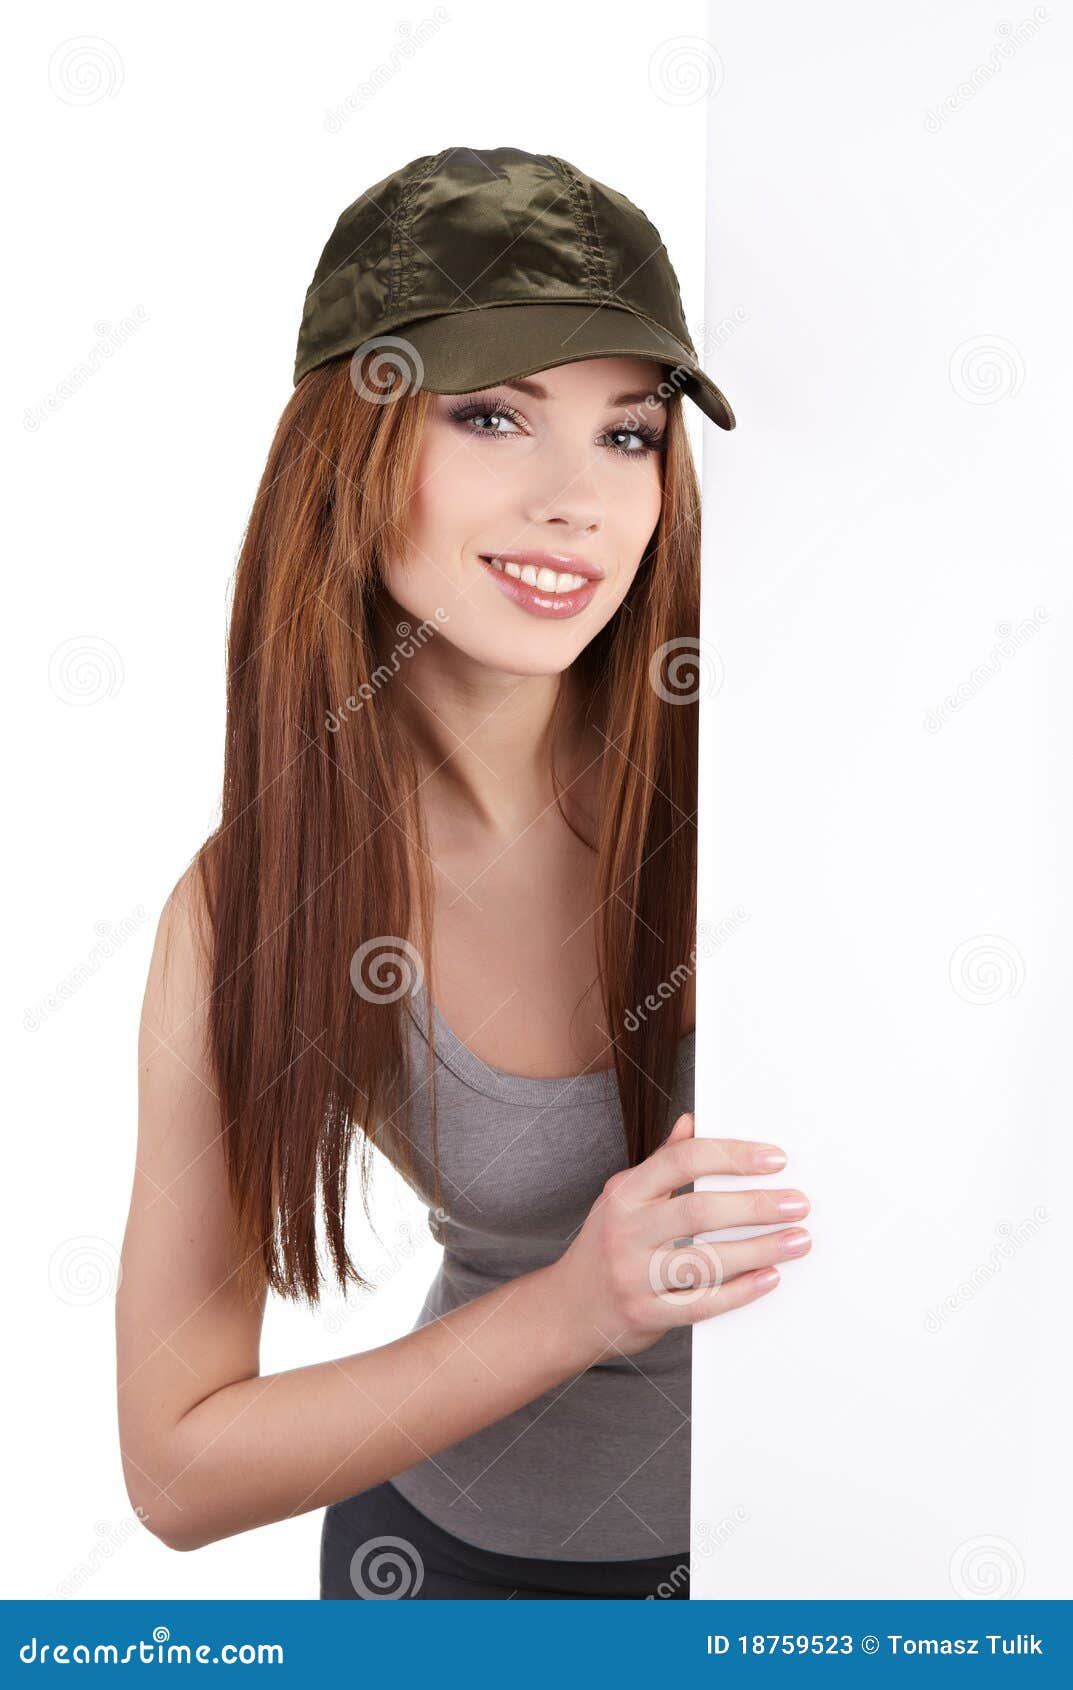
<point>211,1447</point>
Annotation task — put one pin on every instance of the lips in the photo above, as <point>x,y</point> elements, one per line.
<point>551,584</point>
<point>545,569</point>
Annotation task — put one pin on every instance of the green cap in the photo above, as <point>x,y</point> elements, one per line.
<point>471,267</point>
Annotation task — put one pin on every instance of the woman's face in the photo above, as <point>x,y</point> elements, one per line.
<point>564,466</point>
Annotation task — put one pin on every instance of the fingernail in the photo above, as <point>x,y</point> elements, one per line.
<point>792,1206</point>
<point>771,1157</point>
<point>795,1243</point>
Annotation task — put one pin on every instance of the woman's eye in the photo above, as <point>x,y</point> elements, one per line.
<point>502,425</point>
<point>499,421</point>
<point>648,443</point>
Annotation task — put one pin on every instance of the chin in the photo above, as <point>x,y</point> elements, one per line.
<point>523,660</point>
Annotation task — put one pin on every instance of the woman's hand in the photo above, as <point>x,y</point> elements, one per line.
<point>623,1278</point>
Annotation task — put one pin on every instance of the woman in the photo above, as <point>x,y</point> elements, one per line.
<point>450,910</point>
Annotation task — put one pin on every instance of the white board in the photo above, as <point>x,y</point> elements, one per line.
<point>885,795</point>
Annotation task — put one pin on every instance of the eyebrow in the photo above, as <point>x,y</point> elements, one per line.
<point>536,391</point>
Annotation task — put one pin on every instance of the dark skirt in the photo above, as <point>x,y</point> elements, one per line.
<point>376,1546</point>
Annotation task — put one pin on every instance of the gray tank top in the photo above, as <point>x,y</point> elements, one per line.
<point>597,1468</point>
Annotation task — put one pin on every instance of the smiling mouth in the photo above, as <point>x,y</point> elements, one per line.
<point>547,580</point>
<point>566,594</point>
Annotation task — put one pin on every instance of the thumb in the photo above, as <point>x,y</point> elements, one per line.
<point>683,1128</point>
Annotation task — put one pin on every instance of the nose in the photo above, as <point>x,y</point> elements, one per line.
<point>565,491</point>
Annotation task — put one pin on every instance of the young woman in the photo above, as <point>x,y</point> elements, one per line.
<point>450,911</point>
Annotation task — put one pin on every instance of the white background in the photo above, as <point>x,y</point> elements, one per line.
<point>191,201</point>
<point>891,496</point>
<point>887,799</point>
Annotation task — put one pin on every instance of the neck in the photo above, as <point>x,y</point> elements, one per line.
<point>484,738</point>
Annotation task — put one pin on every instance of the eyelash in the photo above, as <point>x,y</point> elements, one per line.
<point>653,441</point>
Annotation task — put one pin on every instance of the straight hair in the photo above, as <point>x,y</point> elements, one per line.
<point>316,881</point>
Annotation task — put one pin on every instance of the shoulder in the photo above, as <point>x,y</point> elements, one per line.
<point>178,984</point>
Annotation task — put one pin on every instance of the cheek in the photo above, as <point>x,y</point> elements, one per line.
<point>637,502</point>
<point>449,505</point>
<point>452,491</point>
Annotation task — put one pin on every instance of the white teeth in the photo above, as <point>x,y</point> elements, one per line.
<point>548,580</point>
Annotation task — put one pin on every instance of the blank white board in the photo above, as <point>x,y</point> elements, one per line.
<point>886,737</point>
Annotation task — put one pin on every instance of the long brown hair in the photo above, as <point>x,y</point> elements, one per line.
<point>316,880</point>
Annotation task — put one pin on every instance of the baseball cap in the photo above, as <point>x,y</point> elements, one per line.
<point>474,266</point>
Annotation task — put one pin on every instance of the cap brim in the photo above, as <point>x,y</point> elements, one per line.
<point>461,351</point>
